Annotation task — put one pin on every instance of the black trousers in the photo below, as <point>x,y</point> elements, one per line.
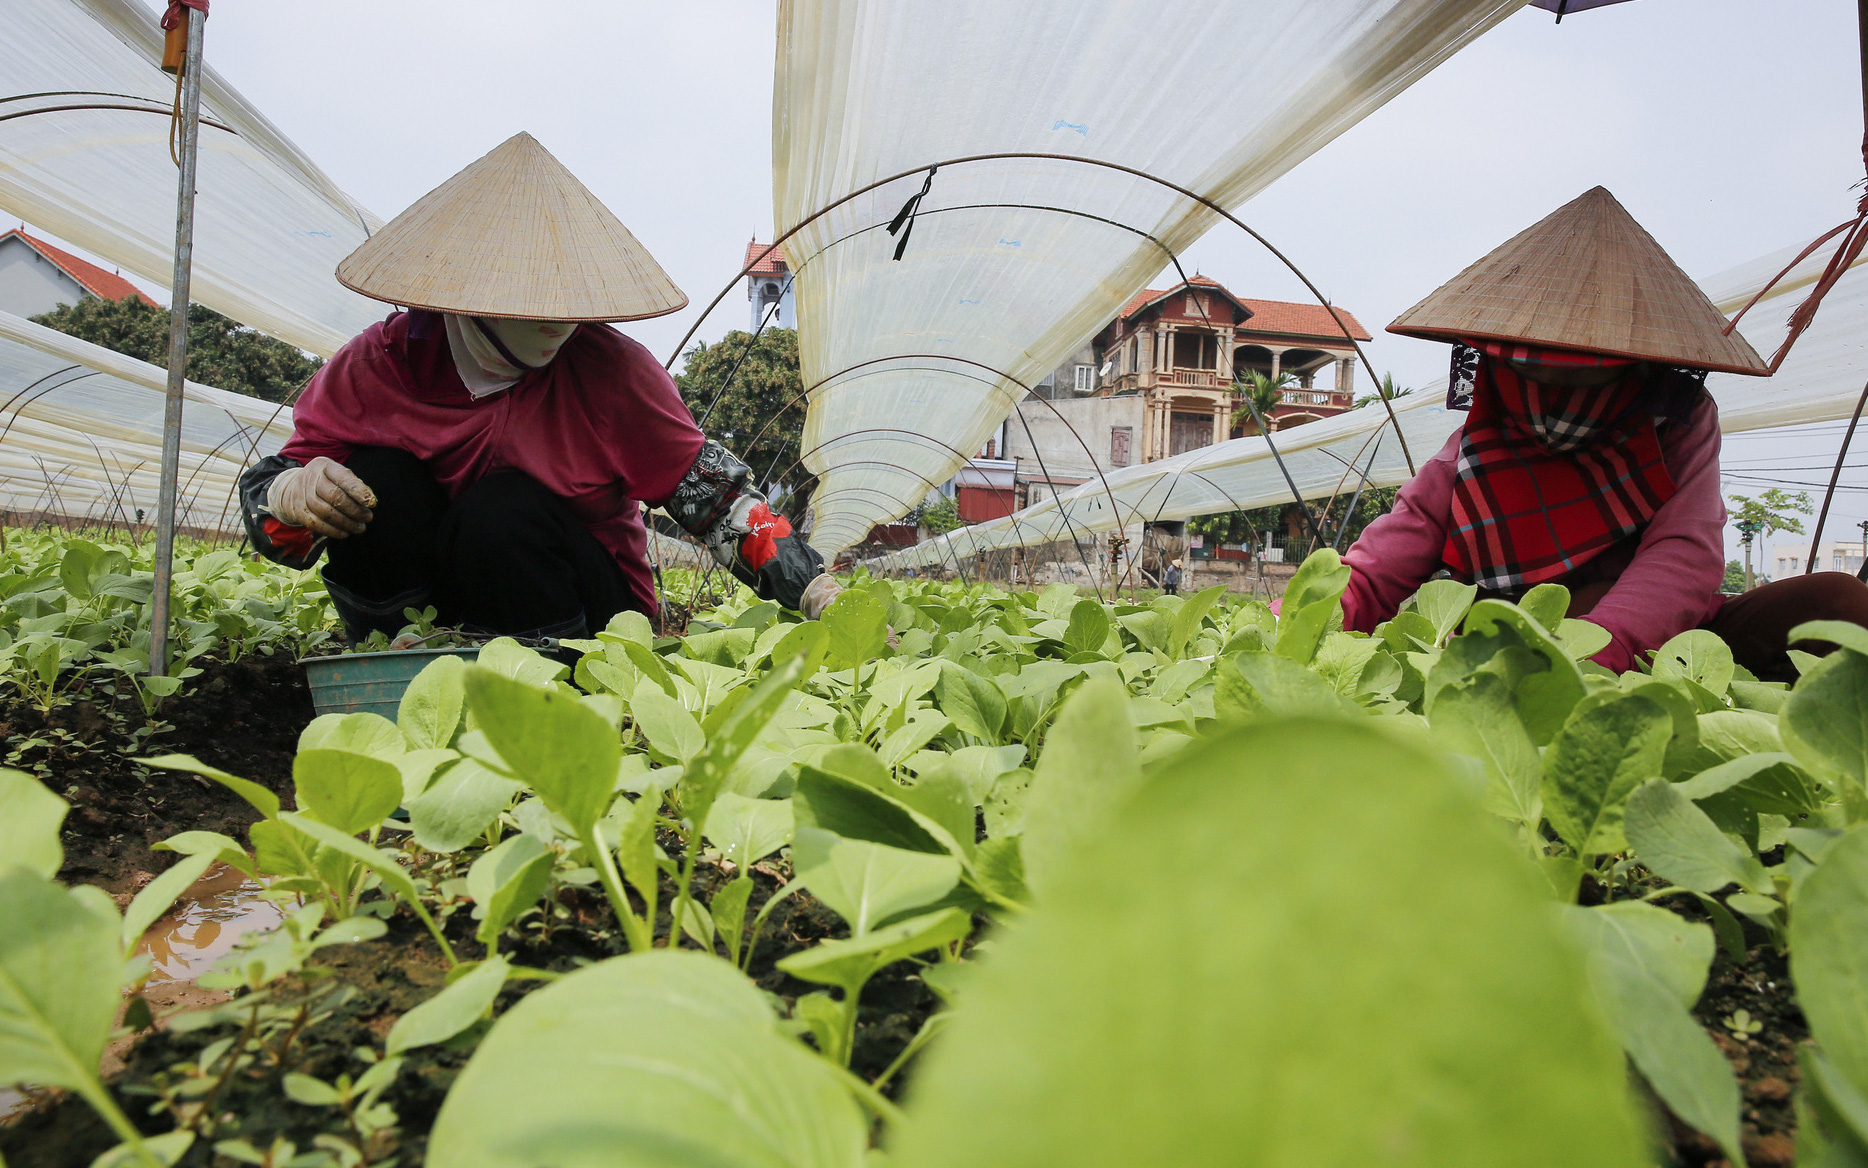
<point>507,556</point>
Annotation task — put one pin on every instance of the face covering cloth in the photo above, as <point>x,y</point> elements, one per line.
<point>1548,477</point>
<point>493,354</point>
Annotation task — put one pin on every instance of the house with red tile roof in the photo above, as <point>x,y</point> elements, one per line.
<point>36,277</point>
<point>768,282</point>
<point>1159,380</point>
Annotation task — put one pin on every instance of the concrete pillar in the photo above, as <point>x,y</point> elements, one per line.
<point>1346,375</point>
<point>1277,362</point>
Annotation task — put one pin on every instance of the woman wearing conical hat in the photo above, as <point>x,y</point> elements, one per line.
<point>1590,456</point>
<point>490,450</point>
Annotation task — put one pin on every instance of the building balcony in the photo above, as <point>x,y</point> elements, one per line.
<point>1200,378</point>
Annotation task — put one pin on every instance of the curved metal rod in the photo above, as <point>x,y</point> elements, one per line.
<point>1203,200</point>
<point>984,207</point>
<point>165,111</point>
<point>20,408</point>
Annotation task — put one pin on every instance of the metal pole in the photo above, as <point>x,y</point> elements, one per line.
<point>178,347</point>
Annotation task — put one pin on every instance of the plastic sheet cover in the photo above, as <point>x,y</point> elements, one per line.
<point>1012,264</point>
<point>84,154</point>
<point>1820,381</point>
<point>81,435</point>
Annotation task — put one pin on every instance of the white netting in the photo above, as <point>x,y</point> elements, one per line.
<point>81,434</point>
<point>84,154</point>
<point>1222,99</point>
<point>1820,380</point>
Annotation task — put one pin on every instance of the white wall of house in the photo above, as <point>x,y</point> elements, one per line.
<point>1789,559</point>
<point>1098,420</point>
<point>31,284</point>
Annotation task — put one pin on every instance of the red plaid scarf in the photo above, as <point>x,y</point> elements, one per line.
<point>1548,478</point>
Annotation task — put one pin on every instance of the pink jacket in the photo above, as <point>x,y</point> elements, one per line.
<point>602,426</point>
<point>1670,585</point>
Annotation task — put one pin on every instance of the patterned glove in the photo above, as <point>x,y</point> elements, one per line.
<point>715,502</point>
<point>322,495</point>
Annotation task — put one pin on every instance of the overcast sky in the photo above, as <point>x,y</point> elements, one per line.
<point>1729,128</point>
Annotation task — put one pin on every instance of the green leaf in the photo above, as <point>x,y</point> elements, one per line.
<point>974,703</point>
<point>1444,603</point>
<point>509,659</point>
<point>417,769</point>
<point>1552,685</point>
<point>168,1149</point>
<point>867,883</point>
<point>1188,617</point>
<point>60,961</point>
<point>1546,604</point>
<point>309,1091</point>
<point>262,800</point>
<point>850,964</point>
<point>980,766</point>
<point>1255,684</point>
<point>1582,639</point>
<point>1647,967</point>
<point>667,725</point>
<point>1282,1003</point>
<point>558,747</point>
<point>224,848</point>
<point>1829,954</point>
<point>394,877</point>
<point>1846,634</point>
<point>1698,656</point>
<point>1089,767</point>
<point>1089,627</point>
<point>1595,764</point>
<point>458,807</point>
<point>1768,782</point>
<point>728,909</point>
<point>1680,844</point>
<point>431,707</point>
<point>1825,719</point>
<point>30,817</point>
<point>858,623</point>
<point>663,1058</point>
<point>462,1003</point>
<point>351,792</point>
<point>1477,718</point>
<point>809,642</point>
<point>708,774</point>
<point>748,830</point>
<point>1321,578</point>
<point>160,893</point>
<point>366,734</point>
<point>506,881</point>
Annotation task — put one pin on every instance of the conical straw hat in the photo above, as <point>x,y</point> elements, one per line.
<point>1586,277</point>
<point>513,235</point>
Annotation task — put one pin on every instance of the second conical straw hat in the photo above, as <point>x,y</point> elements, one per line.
<point>1585,277</point>
<point>513,235</point>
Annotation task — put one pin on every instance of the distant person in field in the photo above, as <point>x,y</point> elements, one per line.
<point>490,449</point>
<point>1170,579</point>
<point>1590,455</point>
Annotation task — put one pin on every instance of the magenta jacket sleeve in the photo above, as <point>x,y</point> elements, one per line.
<point>1673,583</point>
<point>1400,551</point>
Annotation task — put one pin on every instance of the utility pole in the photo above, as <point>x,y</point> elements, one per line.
<point>1747,530</point>
<point>1861,573</point>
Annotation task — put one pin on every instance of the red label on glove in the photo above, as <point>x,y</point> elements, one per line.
<point>293,541</point>
<point>764,530</point>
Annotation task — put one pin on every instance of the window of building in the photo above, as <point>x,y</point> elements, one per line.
<point>1086,378</point>
<point>1135,355</point>
<point>1119,444</point>
<point>1196,306</point>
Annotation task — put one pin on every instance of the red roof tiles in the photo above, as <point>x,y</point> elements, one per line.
<point>764,263</point>
<point>90,277</point>
<point>1268,316</point>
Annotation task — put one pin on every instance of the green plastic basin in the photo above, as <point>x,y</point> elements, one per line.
<point>369,683</point>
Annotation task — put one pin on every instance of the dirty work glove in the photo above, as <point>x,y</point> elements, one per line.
<point>818,595</point>
<point>322,495</point>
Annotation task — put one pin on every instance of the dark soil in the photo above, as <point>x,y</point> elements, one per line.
<point>372,985</point>
<point>243,717</point>
<point>1765,1063</point>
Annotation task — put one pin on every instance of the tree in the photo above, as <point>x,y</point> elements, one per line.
<point>222,352</point>
<point>1263,391</point>
<point>1388,391</point>
<point>760,416</point>
<point>1734,578</point>
<point>939,517</point>
<point>1773,511</point>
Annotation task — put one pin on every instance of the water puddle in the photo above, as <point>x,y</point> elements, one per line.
<point>203,926</point>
